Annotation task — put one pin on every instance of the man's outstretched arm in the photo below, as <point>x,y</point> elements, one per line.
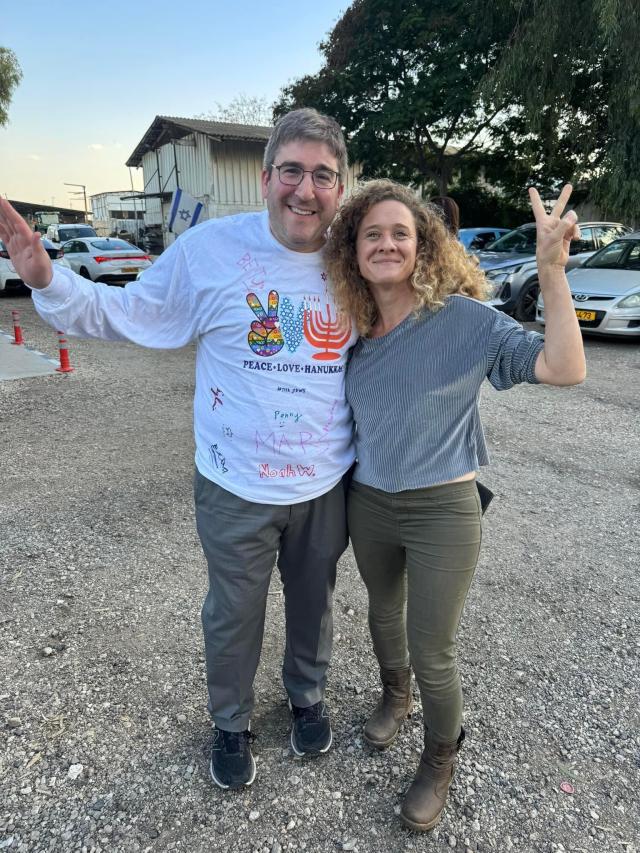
<point>25,248</point>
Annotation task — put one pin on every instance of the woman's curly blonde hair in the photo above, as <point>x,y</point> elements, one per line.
<point>442,267</point>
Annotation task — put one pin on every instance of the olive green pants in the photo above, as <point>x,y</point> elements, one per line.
<point>417,552</point>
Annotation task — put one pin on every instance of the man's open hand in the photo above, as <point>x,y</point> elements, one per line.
<point>25,248</point>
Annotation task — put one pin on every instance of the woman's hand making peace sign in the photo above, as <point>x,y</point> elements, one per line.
<point>554,231</point>
<point>561,362</point>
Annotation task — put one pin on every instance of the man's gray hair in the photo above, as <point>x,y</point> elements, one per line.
<point>307,125</point>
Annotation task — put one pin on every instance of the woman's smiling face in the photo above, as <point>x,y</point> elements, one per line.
<point>386,244</point>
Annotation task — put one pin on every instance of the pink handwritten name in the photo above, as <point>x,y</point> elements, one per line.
<point>266,471</point>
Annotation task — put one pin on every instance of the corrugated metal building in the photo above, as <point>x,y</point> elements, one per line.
<point>117,212</point>
<point>219,164</point>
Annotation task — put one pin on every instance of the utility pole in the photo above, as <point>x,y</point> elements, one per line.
<point>84,194</point>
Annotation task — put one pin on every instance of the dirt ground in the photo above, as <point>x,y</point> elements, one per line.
<point>105,735</point>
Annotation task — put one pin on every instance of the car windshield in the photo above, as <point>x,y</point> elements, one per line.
<point>116,245</point>
<point>73,233</point>
<point>619,255</point>
<point>522,241</point>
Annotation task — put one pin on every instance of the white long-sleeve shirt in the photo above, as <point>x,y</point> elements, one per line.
<point>270,417</point>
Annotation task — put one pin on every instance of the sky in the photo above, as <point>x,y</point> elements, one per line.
<point>96,75</point>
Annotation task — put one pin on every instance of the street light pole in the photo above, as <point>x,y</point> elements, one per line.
<point>84,193</point>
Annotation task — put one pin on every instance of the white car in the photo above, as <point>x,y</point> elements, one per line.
<point>9,278</point>
<point>61,233</point>
<point>106,259</point>
<point>606,290</point>
<point>511,267</point>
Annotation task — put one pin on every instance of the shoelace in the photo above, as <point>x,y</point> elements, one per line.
<point>235,741</point>
<point>311,714</point>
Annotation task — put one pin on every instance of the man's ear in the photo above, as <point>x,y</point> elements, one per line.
<point>264,181</point>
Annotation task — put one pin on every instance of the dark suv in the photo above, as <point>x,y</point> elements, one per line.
<point>510,263</point>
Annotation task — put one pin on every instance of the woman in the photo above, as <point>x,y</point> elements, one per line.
<point>427,343</point>
<point>450,212</point>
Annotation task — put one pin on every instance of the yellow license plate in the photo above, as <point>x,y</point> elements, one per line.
<point>586,315</point>
<point>137,269</point>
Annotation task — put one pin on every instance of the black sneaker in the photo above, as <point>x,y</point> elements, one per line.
<point>232,764</point>
<point>310,729</point>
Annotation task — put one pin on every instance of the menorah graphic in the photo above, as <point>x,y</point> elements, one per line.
<point>324,331</point>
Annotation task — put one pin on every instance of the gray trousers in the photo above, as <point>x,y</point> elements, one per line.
<point>417,552</point>
<point>240,540</point>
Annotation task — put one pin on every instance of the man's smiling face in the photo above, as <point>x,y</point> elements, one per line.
<point>299,216</point>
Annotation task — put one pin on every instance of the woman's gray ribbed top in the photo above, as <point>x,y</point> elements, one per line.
<point>414,392</point>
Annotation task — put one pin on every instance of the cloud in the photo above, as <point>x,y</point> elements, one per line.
<point>96,146</point>
<point>34,157</point>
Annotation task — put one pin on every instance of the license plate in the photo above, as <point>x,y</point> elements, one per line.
<point>137,269</point>
<point>586,315</point>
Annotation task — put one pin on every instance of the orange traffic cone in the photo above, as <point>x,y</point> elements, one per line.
<point>17,331</point>
<point>65,366</point>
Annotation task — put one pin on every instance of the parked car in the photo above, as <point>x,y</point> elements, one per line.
<point>510,264</point>
<point>105,259</point>
<point>476,239</point>
<point>9,278</point>
<point>606,290</point>
<point>61,233</point>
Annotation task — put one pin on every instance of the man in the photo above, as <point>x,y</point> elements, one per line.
<point>273,431</point>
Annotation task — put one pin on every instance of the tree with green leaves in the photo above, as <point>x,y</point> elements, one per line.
<point>404,79</point>
<point>513,93</point>
<point>576,69</point>
<point>10,76</point>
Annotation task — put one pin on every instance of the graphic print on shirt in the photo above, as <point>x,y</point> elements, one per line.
<point>324,330</point>
<point>265,337</point>
<point>292,324</point>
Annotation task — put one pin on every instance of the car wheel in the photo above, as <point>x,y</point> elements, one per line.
<point>84,272</point>
<point>525,309</point>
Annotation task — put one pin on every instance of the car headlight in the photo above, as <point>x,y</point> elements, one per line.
<point>495,283</point>
<point>502,275</point>
<point>631,301</point>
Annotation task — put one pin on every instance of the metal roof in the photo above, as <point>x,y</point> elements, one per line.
<point>165,128</point>
<point>28,208</point>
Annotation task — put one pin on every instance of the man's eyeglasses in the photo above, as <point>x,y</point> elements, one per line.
<point>292,176</point>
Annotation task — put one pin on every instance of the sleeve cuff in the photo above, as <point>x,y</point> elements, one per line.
<point>57,291</point>
<point>534,352</point>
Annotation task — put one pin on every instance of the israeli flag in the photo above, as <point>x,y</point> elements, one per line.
<point>185,211</point>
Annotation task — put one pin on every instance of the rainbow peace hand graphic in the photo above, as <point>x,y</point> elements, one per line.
<point>265,337</point>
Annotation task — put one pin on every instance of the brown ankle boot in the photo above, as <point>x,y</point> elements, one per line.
<point>395,704</point>
<point>427,794</point>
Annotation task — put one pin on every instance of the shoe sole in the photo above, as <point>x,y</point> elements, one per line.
<point>383,744</point>
<point>378,744</point>
<point>311,751</point>
<point>240,784</point>
<point>420,827</point>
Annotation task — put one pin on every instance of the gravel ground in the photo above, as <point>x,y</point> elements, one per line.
<point>105,734</point>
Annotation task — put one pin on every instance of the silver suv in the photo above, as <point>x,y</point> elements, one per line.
<point>510,264</point>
